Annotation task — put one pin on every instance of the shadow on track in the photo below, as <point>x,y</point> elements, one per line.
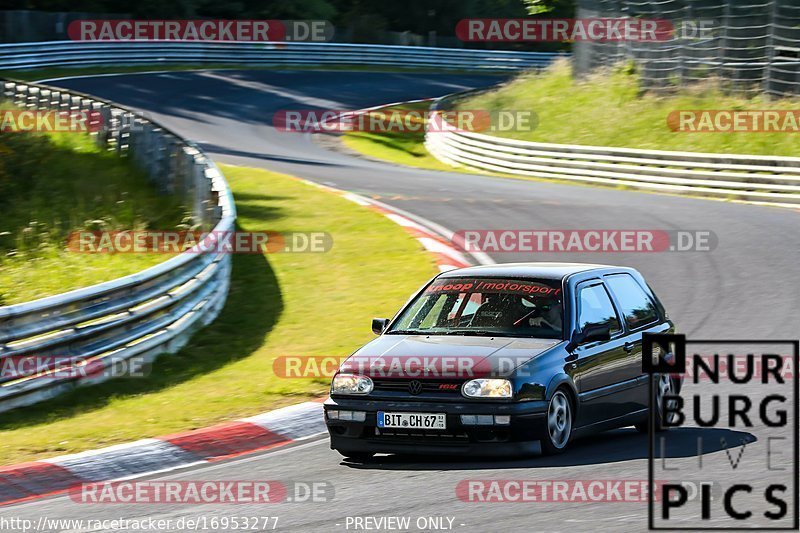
<point>610,447</point>
<point>216,150</point>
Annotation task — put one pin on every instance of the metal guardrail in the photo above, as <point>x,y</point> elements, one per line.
<point>751,178</point>
<point>145,314</point>
<point>98,53</point>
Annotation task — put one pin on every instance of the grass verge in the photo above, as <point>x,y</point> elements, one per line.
<point>53,184</point>
<point>284,304</point>
<point>399,147</point>
<point>606,109</point>
<point>610,109</point>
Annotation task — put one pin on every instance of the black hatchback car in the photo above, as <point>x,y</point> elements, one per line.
<point>502,360</point>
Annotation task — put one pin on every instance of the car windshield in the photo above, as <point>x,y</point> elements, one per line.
<point>485,307</point>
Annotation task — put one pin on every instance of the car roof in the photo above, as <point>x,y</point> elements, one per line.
<point>555,271</point>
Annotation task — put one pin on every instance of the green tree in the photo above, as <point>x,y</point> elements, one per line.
<point>553,8</point>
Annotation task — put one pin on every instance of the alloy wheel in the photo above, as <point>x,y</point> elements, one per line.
<point>559,420</point>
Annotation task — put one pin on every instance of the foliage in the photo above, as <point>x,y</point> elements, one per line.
<point>417,16</point>
<point>51,185</point>
<point>553,8</point>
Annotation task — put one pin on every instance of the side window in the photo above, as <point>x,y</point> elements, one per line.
<point>595,307</point>
<point>635,305</point>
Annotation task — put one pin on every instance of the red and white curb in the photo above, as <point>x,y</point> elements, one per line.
<point>273,429</point>
<point>437,240</point>
<point>446,255</point>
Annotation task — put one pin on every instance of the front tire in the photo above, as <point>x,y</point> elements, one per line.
<point>558,424</point>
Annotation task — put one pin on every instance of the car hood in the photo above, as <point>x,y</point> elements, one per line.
<point>444,356</point>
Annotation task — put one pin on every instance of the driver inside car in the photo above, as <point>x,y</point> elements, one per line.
<point>550,317</point>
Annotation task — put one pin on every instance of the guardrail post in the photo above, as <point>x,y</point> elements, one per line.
<point>127,121</point>
<point>20,94</point>
<point>101,135</point>
<point>8,90</point>
<point>198,174</point>
<point>64,101</point>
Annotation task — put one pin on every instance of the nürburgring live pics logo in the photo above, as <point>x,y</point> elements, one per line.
<point>734,427</point>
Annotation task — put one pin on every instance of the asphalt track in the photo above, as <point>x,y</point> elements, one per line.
<point>745,288</point>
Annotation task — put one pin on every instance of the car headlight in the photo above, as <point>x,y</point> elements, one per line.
<point>351,384</point>
<point>487,388</point>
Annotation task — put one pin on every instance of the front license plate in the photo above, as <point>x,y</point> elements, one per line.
<point>412,420</point>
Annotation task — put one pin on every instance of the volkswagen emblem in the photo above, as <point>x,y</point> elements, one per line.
<point>415,387</point>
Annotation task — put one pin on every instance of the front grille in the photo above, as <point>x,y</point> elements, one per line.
<point>423,386</point>
<point>427,436</point>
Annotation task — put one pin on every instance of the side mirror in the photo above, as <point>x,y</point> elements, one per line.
<point>379,324</point>
<point>590,333</point>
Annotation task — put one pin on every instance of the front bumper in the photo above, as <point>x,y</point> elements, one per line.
<point>520,437</point>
